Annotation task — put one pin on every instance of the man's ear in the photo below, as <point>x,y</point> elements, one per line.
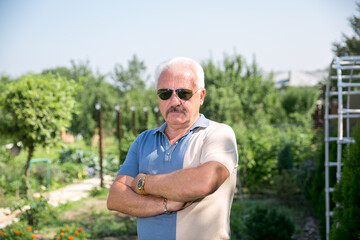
<point>202,96</point>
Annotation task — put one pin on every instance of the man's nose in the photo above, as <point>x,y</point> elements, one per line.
<point>174,99</point>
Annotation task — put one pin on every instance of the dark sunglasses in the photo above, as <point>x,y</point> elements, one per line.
<point>182,93</point>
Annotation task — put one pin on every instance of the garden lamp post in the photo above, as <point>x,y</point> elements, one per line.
<point>156,110</point>
<point>132,108</point>
<point>119,128</point>
<point>146,116</point>
<point>119,124</point>
<point>98,107</point>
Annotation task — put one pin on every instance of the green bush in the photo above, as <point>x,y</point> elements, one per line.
<point>286,187</point>
<point>299,102</point>
<point>317,186</point>
<point>264,223</point>
<point>36,211</point>
<point>17,231</point>
<point>237,220</point>
<point>73,155</point>
<point>72,232</point>
<point>347,194</point>
<point>259,149</point>
<point>285,159</point>
<point>105,226</point>
<point>10,182</point>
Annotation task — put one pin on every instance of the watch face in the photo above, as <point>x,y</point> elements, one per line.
<point>140,183</point>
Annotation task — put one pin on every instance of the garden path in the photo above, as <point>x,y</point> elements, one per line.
<point>71,192</point>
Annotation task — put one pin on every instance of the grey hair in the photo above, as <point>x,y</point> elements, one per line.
<point>199,72</point>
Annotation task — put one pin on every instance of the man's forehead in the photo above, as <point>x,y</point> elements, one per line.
<point>183,71</point>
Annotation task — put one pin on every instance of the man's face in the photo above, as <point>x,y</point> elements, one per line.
<point>178,112</point>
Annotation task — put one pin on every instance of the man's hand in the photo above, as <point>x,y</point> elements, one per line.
<point>173,206</point>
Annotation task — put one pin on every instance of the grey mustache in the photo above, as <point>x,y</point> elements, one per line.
<point>175,109</point>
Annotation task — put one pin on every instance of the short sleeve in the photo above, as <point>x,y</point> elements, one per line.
<point>220,146</point>
<point>131,164</point>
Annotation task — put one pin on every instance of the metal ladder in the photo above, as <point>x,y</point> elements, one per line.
<point>347,70</point>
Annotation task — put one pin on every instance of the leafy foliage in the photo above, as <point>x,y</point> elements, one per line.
<point>347,194</point>
<point>17,231</point>
<point>258,219</point>
<point>36,211</point>
<point>36,109</point>
<point>134,77</point>
<point>118,227</point>
<point>266,223</point>
<point>286,187</point>
<point>350,46</point>
<point>299,103</point>
<point>260,145</point>
<point>10,181</point>
<point>285,159</point>
<point>70,232</point>
<point>238,93</point>
<point>317,188</point>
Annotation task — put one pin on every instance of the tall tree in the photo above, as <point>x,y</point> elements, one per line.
<point>237,92</point>
<point>347,194</point>
<point>350,45</point>
<point>37,108</point>
<point>132,77</point>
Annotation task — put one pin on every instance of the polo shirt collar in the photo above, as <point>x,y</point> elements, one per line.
<point>202,122</point>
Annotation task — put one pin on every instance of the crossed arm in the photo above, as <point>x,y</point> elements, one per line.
<point>180,188</point>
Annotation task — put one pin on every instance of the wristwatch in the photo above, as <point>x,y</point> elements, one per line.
<point>141,184</point>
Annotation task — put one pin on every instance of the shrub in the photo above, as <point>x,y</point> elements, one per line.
<point>10,181</point>
<point>17,231</point>
<point>71,232</point>
<point>257,146</point>
<point>347,194</point>
<point>74,155</point>
<point>317,192</point>
<point>37,211</point>
<point>106,226</point>
<point>286,187</point>
<point>264,223</point>
<point>237,220</point>
<point>299,102</point>
<point>285,159</point>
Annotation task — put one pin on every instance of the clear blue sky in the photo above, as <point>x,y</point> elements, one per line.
<point>282,34</point>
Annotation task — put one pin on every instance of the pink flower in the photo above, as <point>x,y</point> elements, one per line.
<point>26,208</point>
<point>37,195</point>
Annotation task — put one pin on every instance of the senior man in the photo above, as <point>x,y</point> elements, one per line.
<point>179,179</point>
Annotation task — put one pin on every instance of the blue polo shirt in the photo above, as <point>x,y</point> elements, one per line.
<point>151,153</point>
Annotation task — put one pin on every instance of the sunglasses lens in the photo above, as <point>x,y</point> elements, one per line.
<point>184,94</point>
<point>164,94</point>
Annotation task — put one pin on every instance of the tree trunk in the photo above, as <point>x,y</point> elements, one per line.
<point>27,182</point>
<point>30,154</point>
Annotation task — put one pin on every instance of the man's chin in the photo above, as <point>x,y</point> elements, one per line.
<point>175,118</point>
<point>176,115</point>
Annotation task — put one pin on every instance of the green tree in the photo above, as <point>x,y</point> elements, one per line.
<point>299,103</point>
<point>347,194</point>
<point>350,45</point>
<point>36,109</point>
<point>238,93</point>
<point>94,90</point>
<point>134,77</point>
<point>62,71</point>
